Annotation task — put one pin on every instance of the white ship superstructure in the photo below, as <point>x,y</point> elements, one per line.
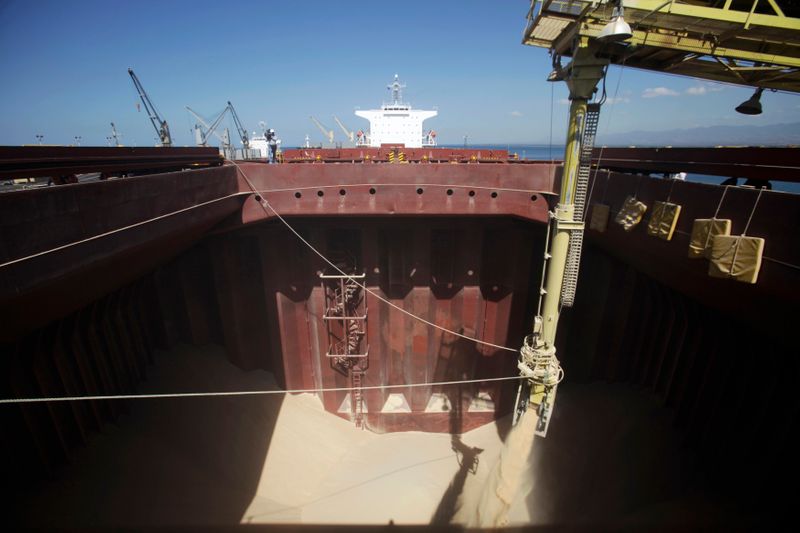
<point>258,142</point>
<point>397,123</point>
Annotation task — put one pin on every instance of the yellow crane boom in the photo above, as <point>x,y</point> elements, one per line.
<point>349,134</point>
<point>325,131</point>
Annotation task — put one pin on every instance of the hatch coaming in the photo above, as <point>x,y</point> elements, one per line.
<point>355,189</point>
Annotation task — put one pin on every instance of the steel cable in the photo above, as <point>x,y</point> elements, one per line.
<point>267,206</point>
<point>262,392</point>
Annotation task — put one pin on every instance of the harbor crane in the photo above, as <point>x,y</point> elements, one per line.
<point>160,125</point>
<point>201,137</point>
<point>350,135</point>
<point>325,131</point>
<point>241,129</point>
<point>115,136</point>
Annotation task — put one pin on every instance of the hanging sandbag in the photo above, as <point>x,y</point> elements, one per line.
<point>663,220</point>
<point>599,220</point>
<point>631,213</point>
<point>704,230</point>
<point>737,257</point>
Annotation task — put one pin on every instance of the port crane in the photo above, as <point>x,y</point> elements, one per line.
<point>241,129</point>
<point>325,131</point>
<point>115,136</point>
<point>200,136</point>
<point>160,125</point>
<point>349,134</point>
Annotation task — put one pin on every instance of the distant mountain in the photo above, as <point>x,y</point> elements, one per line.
<point>775,135</point>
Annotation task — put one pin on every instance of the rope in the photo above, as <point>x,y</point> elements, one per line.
<point>552,98</point>
<point>605,188</point>
<point>753,211</point>
<point>244,393</point>
<point>778,261</point>
<point>117,230</point>
<point>266,205</point>
<point>764,257</point>
<point>636,191</point>
<point>737,242</point>
<point>671,185</point>
<point>719,205</point>
<point>614,101</point>
<point>608,125</point>
<point>544,263</point>
<point>166,215</point>
<point>591,192</point>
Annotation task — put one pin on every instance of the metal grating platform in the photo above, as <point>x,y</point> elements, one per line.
<point>744,42</point>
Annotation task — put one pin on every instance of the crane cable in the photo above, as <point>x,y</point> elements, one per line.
<point>267,207</point>
<point>261,392</point>
<point>117,230</point>
<point>248,193</point>
<point>614,102</point>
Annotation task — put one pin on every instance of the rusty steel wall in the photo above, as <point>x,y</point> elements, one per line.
<point>86,240</point>
<point>256,291</point>
<point>469,275</point>
<point>730,389</point>
<point>771,306</point>
<point>103,349</point>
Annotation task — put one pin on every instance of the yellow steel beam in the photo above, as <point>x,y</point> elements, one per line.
<point>715,13</point>
<point>699,46</point>
<point>776,8</point>
<point>652,9</point>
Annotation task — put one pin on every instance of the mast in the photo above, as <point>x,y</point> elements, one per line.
<point>397,90</point>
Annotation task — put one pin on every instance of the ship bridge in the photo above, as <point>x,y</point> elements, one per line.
<point>397,123</point>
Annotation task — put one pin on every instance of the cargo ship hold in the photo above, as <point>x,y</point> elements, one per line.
<point>406,295</point>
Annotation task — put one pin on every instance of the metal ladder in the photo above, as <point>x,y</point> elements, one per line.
<point>357,397</point>
<point>576,236</point>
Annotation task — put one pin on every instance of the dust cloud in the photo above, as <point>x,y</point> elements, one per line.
<point>487,505</point>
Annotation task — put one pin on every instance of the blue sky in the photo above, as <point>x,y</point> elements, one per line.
<point>64,68</point>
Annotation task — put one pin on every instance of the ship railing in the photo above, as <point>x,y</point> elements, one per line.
<point>570,8</point>
<point>241,154</point>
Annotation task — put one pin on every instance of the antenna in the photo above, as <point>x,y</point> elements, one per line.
<point>397,90</point>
